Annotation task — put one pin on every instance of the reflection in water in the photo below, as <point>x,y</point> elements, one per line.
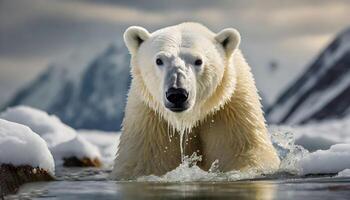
<point>261,190</point>
<point>86,184</point>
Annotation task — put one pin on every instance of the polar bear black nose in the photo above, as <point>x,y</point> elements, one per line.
<point>177,96</point>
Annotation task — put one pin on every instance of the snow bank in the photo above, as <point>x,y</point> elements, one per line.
<point>344,173</point>
<point>334,160</point>
<point>19,145</point>
<point>77,147</point>
<point>322,135</point>
<point>107,142</point>
<point>295,159</point>
<point>64,142</point>
<point>328,141</point>
<point>61,139</point>
<point>319,135</point>
<point>49,127</point>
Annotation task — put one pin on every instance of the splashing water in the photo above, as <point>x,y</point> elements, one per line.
<point>182,145</point>
<point>183,137</point>
<point>188,171</point>
<point>289,153</point>
<point>183,142</point>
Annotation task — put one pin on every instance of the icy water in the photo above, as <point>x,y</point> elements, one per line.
<point>188,181</point>
<point>78,183</point>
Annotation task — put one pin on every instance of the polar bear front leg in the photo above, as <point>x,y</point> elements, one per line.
<point>220,142</point>
<point>236,143</point>
<point>145,147</point>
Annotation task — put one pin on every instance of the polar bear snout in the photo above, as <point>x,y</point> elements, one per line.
<point>176,99</point>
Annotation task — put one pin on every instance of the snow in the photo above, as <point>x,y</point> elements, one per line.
<point>319,135</point>
<point>333,136</point>
<point>279,110</point>
<point>344,173</point>
<point>322,139</point>
<point>295,158</point>
<point>86,89</point>
<point>62,140</point>
<point>333,160</point>
<point>107,142</point>
<point>332,57</point>
<point>77,147</point>
<point>67,68</point>
<point>19,145</point>
<point>49,127</point>
<point>312,102</point>
<point>320,99</point>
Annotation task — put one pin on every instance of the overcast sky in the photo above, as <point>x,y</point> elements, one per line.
<point>34,33</point>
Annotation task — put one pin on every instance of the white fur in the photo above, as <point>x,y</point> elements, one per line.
<point>133,37</point>
<point>225,120</point>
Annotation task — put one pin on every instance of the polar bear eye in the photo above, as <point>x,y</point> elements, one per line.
<point>198,62</point>
<point>159,61</point>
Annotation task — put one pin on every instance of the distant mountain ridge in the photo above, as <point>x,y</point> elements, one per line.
<point>85,93</point>
<point>89,91</point>
<point>322,92</point>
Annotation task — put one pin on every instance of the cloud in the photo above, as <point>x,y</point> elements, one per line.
<point>14,73</point>
<point>270,29</point>
<point>306,43</point>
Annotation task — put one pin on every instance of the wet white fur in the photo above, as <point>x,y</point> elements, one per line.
<point>225,121</point>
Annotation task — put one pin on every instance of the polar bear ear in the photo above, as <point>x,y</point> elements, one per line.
<point>229,38</point>
<point>134,36</point>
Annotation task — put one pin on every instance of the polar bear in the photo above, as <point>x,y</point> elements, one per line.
<point>187,79</point>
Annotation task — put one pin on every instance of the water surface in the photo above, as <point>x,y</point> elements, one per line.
<point>78,183</point>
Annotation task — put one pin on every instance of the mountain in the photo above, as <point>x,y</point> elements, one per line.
<point>85,92</point>
<point>88,90</point>
<point>322,91</point>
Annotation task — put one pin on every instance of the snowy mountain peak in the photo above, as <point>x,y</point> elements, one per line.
<point>322,92</point>
<point>84,91</point>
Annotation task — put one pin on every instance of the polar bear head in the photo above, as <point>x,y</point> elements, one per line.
<point>183,72</point>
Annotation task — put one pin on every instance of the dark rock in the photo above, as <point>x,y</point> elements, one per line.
<point>84,162</point>
<point>12,177</point>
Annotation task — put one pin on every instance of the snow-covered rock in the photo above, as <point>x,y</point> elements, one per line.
<point>19,146</point>
<point>107,142</point>
<point>344,173</point>
<point>333,160</point>
<point>322,91</point>
<point>86,91</point>
<point>61,139</point>
<point>77,147</point>
<point>49,127</point>
<point>24,157</point>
